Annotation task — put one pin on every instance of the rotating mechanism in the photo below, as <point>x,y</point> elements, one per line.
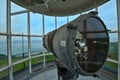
<point>81,46</point>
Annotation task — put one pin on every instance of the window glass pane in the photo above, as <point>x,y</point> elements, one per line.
<point>3,52</point>
<point>94,24</point>
<point>35,24</point>
<point>73,17</point>
<point>107,13</point>
<point>113,47</point>
<point>61,21</point>
<point>50,58</point>
<point>110,67</point>
<point>15,7</point>
<point>110,70</point>
<point>4,75</point>
<point>19,48</point>
<point>36,45</point>
<point>19,24</point>
<point>2,16</point>
<point>49,24</point>
<point>37,62</point>
<point>20,70</point>
<point>113,37</point>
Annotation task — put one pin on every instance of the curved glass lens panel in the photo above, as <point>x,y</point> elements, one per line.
<point>95,49</point>
<point>93,24</point>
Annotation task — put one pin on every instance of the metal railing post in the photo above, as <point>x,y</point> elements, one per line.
<point>55,22</point>
<point>29,42</point>
<point>43,30</point>
<point>118,22</point>
<point>9,48</point>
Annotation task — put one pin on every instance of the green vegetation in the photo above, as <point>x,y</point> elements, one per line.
<point>3,60</point>
<point>111,67</point>
<point>23,65</point>
<point>14,59</point>
<point>113,51</point>
<point>3,73</point>
<point>50,58</point>
<point>37,60</point>
<point>113,54</point>
<point>3,57</point>
<point>111,64</point>
<point>3,63</point>
<point>20,66</point>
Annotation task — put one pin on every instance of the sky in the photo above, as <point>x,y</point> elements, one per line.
<point>107,13</point>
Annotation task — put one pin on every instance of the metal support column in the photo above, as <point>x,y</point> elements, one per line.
<point>29,42</point>
<point>23,54</point>
<point>9,48</point>
<point>43,27</point>
<point>118,19</point>
<point>96,9</point>
<point>67,19</point>
<point>55,22</point>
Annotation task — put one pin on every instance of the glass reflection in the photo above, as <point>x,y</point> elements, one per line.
<point>94,25</point>
<point>96,45</point>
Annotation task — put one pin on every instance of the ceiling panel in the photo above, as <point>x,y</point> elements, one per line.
<point>59,7</point>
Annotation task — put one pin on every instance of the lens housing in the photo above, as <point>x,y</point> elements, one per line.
<point>81,45</point>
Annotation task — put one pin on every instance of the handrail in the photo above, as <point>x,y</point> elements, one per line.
<point>23,60</point>
<point>112,60</point>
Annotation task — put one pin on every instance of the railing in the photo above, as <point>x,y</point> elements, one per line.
<point>24,59</point>
<point>109,72</point>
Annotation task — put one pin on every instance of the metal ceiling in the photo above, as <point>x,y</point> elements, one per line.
<point>59,7</point>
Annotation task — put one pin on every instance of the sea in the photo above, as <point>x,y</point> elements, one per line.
<point>20,47</point>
